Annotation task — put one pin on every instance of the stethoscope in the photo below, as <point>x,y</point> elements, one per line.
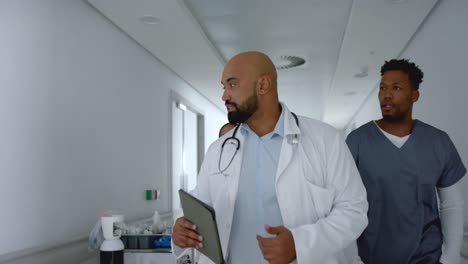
<point>235,141</point>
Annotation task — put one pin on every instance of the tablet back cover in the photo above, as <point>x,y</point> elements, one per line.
<point>203,216</point>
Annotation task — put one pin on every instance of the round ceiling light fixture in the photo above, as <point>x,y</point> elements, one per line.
<point>288,62</point>
<point>150,20</point>
<point>396,1</point>
<point>364,72</point>
<point>350,93</point>
<point>361,75</point>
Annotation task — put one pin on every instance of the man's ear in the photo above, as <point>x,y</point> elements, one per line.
<point>264,84</point>
<point>415,96</point>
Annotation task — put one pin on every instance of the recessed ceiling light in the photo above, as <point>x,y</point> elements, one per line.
<point>363,73</point>
<point>150,20</point>
<point>396,1</point>
<point>288,62</point>
<point>350,93</point>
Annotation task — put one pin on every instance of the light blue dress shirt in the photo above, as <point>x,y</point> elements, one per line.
<point>256,202</point>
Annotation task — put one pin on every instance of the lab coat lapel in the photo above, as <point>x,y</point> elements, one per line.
<point>232,188</point>
<point>236,164</point>
<point>291,129</point>
<point>285,157</point>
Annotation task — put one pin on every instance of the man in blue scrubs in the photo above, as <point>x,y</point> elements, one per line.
<point>402,162</point>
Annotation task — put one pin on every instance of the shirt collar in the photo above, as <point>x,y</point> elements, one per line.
<point>278,130</point>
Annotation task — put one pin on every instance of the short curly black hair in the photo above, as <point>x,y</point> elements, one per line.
<point>415,74</point>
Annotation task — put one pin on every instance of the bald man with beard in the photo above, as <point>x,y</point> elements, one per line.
<point>284,187</point>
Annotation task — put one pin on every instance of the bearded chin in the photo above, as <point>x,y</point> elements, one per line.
<point>238,117</point>
<point>393,118</point>
<point>244,112</point>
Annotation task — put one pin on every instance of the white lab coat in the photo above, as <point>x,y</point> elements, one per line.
<point>320,193</point>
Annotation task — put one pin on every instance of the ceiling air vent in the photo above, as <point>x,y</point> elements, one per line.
<point>288,62</point>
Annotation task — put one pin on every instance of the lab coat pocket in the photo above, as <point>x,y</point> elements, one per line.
<point>322,199</point>
<point>223,186</point>
<point>219,184</point>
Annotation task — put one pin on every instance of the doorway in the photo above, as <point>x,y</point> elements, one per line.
<point>187,148</point>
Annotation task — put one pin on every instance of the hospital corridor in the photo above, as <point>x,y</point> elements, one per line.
<point>345,137</point>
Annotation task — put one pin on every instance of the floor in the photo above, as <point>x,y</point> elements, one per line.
<point>96,261</point>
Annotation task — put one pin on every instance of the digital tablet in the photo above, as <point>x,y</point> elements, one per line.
<point>203,216</point>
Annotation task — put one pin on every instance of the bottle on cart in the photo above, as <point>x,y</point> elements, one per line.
<point>156,222</point>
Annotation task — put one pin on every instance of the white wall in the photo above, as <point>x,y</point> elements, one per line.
<point>85,122</point>
<point>440,49</point>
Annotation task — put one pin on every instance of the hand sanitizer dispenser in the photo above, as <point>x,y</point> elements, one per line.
<point>112,249</point>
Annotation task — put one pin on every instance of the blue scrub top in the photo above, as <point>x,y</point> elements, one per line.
<point>404,224</point>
